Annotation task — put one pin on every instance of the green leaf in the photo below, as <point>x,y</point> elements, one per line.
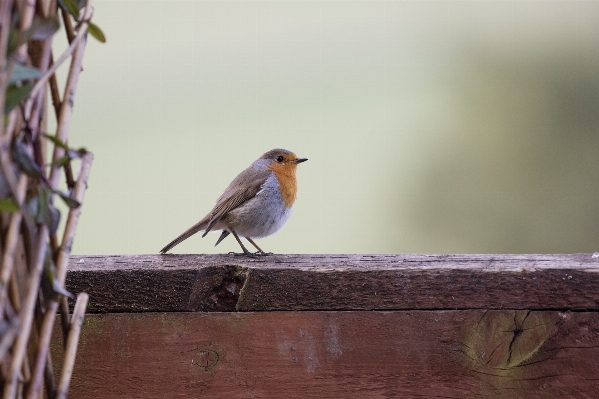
<point>70,6</point>
<point>46,212</point>
<point>78,153</point>
<point>23,72</point>
<point>57,141</point>
<point>41,29</point>
<point>54,219</point>
<point>62,161</point>
<point>58,289</point>
<point>48,275</point>
<point>51,288</point>
<point>96,32</point>
<point>8,205</point>
<point>13,40</point>
<point>16,94</point>
<point>33,205</point>
<point>43,211</point>
<point>70,201</point>
<point>24,160</point>
<point>70,153</point>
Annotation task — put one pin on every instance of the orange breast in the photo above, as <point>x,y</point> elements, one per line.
<point>287,181</point>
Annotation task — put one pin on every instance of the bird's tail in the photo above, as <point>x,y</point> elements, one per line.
<point>201,225</point>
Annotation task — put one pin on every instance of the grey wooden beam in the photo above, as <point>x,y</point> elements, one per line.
<point>172,283</point>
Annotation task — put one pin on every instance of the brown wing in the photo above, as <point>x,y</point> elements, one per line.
<point>244,187</point>
<point>241,189</point>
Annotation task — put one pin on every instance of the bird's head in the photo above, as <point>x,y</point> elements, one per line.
<point>282,160</point>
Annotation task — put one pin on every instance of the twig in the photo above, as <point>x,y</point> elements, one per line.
<point>72,342</point>
<point>70,50</point>
<point>9,337</point>
<point>5,140</point>
<point>76,47</point>
<point>42,350</point>
<point>69,92</point>
<point>26,314</point>
<point>13,293</point>
<point>5,159</point>
<point>25,370</point>
<point>18,187</point>
<point>54,91</point>
<point>35,385</point>
<point>69,231</point>
<point>27,13</point>
<point>54,245</point>
<point>68,171</point>
<point>61,268</point>
<point>49,378</point>
<point>64,317</point>
<point>24,334</point>
<point>12,181</point>
<point>10,244</point>
<point>68,25</point>
<point>44,62</point>
<point>5,7</point>
<point>73,218</point>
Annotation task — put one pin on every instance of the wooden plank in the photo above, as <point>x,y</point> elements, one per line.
<point>144,283</point>
<point>441,354</point>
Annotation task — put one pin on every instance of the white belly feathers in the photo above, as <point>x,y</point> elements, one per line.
<point>267,216</point>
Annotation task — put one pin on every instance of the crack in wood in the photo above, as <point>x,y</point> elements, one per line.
<point>493,351</point>
<point>528,363</point>
<point>518,330</point>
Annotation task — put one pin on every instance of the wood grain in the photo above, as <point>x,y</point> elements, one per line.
<point>170,283</point>
<point>383,354</point>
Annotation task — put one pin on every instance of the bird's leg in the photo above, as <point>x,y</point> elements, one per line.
<point>245,251</point>
<point>260,251</point>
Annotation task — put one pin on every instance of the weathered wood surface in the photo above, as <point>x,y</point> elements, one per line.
<point>333,354</point>
<point>145,283</point>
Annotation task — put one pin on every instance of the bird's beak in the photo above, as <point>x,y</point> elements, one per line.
<point>300,160</point>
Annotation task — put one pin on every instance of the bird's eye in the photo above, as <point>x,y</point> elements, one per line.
<point>280,158</point>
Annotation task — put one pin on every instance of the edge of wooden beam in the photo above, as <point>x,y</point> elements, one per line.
<point>170,283</point>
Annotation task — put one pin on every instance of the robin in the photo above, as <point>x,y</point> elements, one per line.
<point>257,203</point>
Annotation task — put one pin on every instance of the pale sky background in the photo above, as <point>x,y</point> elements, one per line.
<point>430,126</point>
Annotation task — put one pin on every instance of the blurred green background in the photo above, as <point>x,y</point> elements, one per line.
<point>438,127</point>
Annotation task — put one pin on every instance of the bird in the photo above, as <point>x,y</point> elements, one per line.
<point>256,204</point>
